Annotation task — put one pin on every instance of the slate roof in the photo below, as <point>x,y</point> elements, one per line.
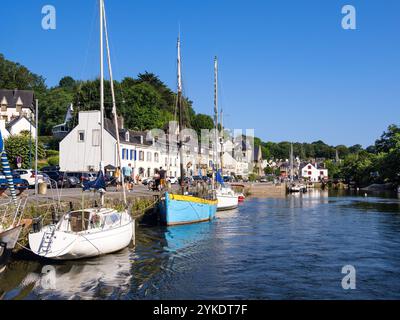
<point>134,136</point>
<point>27,97</point>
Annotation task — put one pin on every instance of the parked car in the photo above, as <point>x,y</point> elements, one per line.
<point>50,168</point>
<point>83,176</point>
<point>228,179</point>
<point>263,179</point>
<point>29,175</point>
<point>19,184</point>
<point>173,180</point>
<point>62,179</point>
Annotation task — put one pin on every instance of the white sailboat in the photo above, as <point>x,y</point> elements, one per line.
<point>227,198</point>
<point>89,232</point>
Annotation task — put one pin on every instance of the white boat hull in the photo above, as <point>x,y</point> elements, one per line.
<point>63,245</point>
<point>227,202</point>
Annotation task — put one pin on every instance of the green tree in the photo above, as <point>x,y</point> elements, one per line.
<point>16,76</point>
<point>19,145</point>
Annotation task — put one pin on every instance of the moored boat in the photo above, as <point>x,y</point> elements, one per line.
<point>84,234</point>
<point>176,209</point>
<point>90,232</point>
<point>8,240</point>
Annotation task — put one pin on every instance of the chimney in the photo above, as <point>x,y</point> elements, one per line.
<point>120,121</point>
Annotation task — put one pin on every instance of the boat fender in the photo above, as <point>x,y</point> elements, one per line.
<point>37,224</point>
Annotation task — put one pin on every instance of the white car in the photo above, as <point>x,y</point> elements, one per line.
<point>172,180</point>
<point>29,175</point>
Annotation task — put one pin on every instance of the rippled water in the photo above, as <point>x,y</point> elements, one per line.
<point>291,248</point>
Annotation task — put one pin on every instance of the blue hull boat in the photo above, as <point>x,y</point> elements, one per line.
<point>178,209</point>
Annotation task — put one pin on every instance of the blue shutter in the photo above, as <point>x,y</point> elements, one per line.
<point>135,155</point>
<point>123,154</point>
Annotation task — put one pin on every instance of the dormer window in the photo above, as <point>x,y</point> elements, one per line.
<point>3,104</point>
<point>18,105</point>
<point>127,136</point>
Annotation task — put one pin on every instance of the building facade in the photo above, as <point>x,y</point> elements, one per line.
<point>16,112</point>
<point>313,173</point>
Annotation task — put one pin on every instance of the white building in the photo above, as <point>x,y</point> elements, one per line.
<point>16,112</point>
<point>80,151</point>
<point>15,104</point>
<point>313,174</point>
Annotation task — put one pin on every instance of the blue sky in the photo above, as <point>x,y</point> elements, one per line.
<point>287,68</point>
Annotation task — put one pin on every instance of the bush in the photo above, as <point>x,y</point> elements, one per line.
<point>253,177</point>
<point>52,153</point>
<point>53,161</point>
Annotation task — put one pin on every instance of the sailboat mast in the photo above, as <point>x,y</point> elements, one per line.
<point>216,110</point>
<point>101,85</point>
<point>291,162</point>
<point>114,110</point>
<point>180,108</point>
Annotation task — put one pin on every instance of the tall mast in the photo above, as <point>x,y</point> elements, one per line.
<point>114,110</point>
<point>216,110</point>
<point>291,162</point>
<point>101,85</point>
<point>180,108</point>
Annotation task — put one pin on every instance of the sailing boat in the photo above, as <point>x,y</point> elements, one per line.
<point>177,209</point>
<point>89,232</point>
<point>10,226</point>
<point>227,198</point>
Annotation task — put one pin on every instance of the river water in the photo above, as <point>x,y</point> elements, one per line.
<point>291,248</point>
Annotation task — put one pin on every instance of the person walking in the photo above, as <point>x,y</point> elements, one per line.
<point>162,174</point>
<point>127,172</point>
<point>118,181</point>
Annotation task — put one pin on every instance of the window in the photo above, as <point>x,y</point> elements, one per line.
<point>3,107</point>
<point>123,154</point>
<point>95,137</point>
<point>156,157</point>
<point>148,156</point>
<point>131,157</point>
<point>309,173</point>
<point>127,136</point>
<point>166,162</point>
<point>81,136</point>
<point>321,173</point>
<point>309,167</point>
<point>141,155</point>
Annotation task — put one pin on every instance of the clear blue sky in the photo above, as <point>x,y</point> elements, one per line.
<point>287,68</point>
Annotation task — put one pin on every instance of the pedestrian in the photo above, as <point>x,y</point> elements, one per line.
<point>156,178</point>
<point>118,181</point>
<point>127,172</point>
<point>162,174</point>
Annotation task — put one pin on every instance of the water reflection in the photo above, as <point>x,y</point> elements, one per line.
<point>105,277</point>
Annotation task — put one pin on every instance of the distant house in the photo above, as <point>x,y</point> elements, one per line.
<point>15,104</point>
<point>17,125</point>
<point>61,130</point>
<point>313,173</point>
<point>16,112</point>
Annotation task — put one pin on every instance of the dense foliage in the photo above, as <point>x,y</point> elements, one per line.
<point>145,102</point>
<point>22,145</point>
